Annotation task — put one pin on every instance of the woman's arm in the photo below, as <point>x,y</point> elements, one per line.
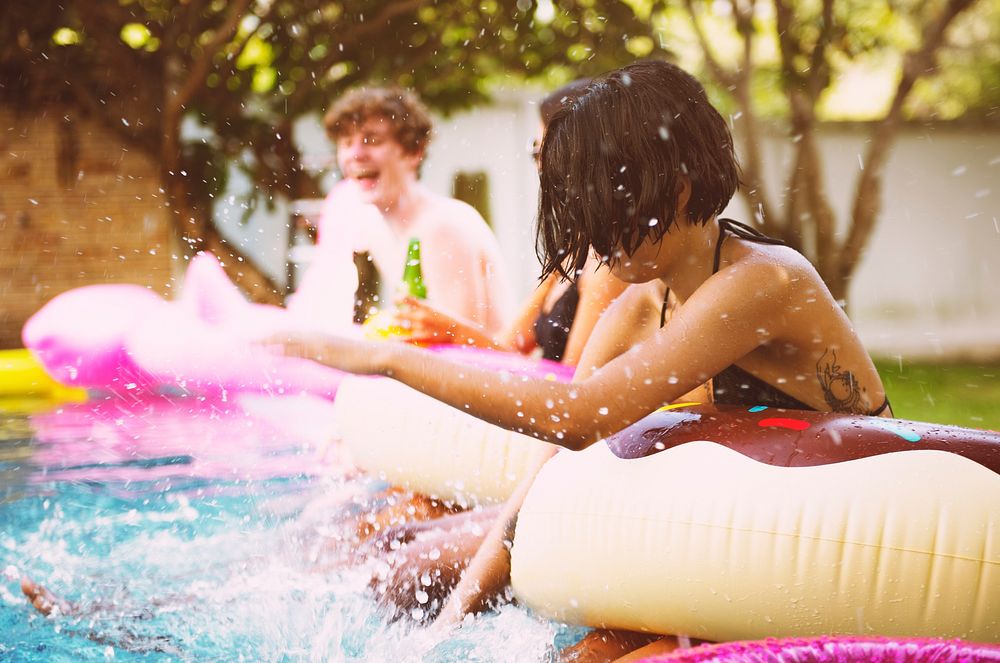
<point>598,289</point>
<point>726,319</point>
<point>521,334</point>
<point>489,569</point>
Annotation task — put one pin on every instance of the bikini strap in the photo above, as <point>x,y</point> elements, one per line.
<point>881,408</point>
<point>663,311</point>
<point>750,234</point>
<point>742,231</point>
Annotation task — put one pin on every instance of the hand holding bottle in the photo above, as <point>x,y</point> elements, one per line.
<point>386,324</point>
<point>424,323</point>
<point>428,325</point>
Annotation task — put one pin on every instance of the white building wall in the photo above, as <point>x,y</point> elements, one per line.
<point>496,140</point>
<point>929,282</point>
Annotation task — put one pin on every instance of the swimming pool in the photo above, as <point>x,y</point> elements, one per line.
<point>185,529</point>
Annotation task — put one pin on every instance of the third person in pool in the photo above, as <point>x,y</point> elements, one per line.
<point>558,316</point>
<point>638,169</point>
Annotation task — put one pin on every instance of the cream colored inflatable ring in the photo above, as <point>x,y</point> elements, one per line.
<point>421,444</point>
<point>702,540</point>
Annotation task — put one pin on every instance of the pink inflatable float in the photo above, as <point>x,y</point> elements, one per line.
<point>150,438</point>
<point>125,339</point>
<point>79,336</point>
<point>837,650</point>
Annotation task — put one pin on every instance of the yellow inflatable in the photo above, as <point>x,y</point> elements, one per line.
<point>705,541</point>
<point>22,376</point>
<point>382,326</point>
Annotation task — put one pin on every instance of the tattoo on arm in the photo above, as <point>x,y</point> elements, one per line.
<point>840,387</point>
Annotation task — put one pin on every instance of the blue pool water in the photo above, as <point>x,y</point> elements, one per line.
<point>196,531</point>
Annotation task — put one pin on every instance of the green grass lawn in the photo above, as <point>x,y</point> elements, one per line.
<point>962,394</point>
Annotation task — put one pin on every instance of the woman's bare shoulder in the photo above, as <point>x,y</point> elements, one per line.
<point>630,319</point>
<point>771,271</point>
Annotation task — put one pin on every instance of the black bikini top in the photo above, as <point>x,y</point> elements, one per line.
<point>733,385</point>
<point>552,327</point>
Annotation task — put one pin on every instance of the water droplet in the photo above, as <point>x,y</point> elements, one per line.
<point>603,411</point>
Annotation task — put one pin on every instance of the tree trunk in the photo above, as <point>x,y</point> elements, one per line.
<point>868,194</point>
<point>196,232</point>
<point>190,217</point>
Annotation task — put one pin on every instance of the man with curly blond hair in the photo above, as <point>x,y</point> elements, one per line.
<point>381,136</point>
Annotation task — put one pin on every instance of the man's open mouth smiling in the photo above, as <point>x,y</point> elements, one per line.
<point>367,178</point>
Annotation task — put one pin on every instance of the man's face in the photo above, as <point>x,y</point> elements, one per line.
<point>371,156</point>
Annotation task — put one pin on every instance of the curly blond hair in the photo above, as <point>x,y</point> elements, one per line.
<point>407,115</point>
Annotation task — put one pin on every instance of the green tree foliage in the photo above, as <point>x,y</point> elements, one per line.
<point>246,69</point>
<point>781,61</point>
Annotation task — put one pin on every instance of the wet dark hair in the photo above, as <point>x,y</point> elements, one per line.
<point>409,119</point>
<point>558,98</point>
<point>612,162</point>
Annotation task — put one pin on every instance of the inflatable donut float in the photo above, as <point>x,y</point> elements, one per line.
<point>421,444</point>
<point>747,523</point>
<point>837,650</point>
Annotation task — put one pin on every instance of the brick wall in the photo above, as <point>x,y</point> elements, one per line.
<point>76,207</point>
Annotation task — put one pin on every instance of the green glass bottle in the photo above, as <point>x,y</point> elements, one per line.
<point>413,276</point>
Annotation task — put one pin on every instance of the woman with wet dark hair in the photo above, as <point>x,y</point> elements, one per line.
<point>618,159</point>
<point>638,169</point>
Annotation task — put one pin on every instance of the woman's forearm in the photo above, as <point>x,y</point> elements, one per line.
<point>489,569</point>
<point>571,415</point>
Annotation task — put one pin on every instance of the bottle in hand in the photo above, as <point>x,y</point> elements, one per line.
<point>383,325</point>
<point>413,277</point>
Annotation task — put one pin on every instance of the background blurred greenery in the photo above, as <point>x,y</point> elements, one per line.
<point>957,393</point>
<point>244,71</point>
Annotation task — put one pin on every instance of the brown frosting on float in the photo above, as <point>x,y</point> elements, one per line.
<point>799,438</point>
